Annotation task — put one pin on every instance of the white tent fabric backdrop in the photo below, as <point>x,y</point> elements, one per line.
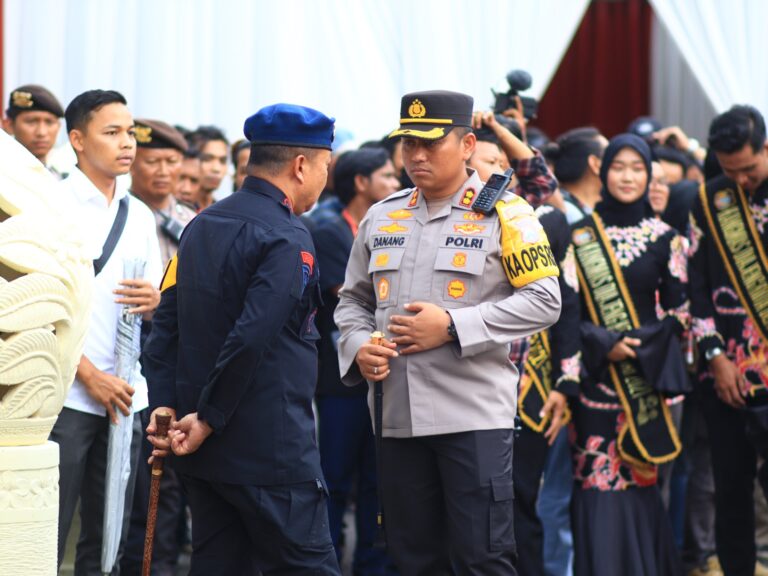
<point>217,61</point>
<point>725,44</point>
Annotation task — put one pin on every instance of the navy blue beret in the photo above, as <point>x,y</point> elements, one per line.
<point>290,125</point>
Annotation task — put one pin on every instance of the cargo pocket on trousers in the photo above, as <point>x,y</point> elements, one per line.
<point>502,528</point>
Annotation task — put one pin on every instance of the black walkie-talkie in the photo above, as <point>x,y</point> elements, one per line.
<point>492,191</point>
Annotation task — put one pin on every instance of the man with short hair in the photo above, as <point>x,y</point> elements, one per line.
<point>154,178</point>
<point>188,190</point>
<point>214,152</point>
<point>434,275</point>
<point>101,131</point>
<point>729,294</point>
<point>33,117</point>
<point>233,355</point>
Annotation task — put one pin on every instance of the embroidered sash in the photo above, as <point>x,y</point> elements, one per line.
<point>742,250</point>
<point>536,384</point>
<point>648,434</point>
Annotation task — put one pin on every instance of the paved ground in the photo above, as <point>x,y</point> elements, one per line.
<point>67,567</point>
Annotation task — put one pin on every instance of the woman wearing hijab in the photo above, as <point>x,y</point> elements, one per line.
<point>629,263</point>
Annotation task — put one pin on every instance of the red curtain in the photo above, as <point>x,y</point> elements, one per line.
<point>603,79</point>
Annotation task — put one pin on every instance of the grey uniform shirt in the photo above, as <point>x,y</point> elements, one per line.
<point>452,259</point>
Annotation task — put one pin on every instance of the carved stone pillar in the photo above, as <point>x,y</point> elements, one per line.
<point>29,509</point>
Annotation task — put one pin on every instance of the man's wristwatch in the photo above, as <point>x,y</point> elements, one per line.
<point>452,328</point>
<point>713,353</point>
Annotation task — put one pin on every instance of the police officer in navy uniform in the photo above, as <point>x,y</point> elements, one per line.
<point>232,356</point>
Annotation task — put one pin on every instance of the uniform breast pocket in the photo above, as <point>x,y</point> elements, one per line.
<point>458,276</point>
<point>384,268</point>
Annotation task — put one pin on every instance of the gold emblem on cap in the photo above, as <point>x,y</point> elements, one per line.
<point>143,134</point>
<point>417,109</point>
<point>22,99</point>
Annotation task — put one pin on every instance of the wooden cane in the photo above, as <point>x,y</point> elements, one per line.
<point>163,422</point>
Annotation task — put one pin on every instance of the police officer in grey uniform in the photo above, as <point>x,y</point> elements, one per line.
<point>429,271</point>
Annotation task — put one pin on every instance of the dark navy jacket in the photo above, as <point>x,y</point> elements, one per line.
<point>234,340</point>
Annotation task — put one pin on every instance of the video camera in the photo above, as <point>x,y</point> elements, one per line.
<point>518,80</point>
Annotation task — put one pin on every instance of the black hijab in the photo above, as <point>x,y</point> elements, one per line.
<point>610,209</point>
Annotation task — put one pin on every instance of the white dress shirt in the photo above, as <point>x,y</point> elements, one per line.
<point>138,241</point>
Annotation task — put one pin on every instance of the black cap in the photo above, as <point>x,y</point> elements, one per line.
<point>33,97</point>
<point>157,134</point>
<point>431,115</point>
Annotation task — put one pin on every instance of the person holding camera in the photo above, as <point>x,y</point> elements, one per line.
<point>155,176</point>
<point>728,273</point>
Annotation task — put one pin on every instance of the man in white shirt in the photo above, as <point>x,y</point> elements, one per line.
<point>101,131</point>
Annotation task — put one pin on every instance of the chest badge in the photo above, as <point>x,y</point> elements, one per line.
<point>459,259</point>
<point>400,215</point>
<point>393,228</point>
<point>456,289</point>
<point>473,216</point>
<point>723,199</point>
<point>468,229</point>
<point>382,259</point>
<point>383,289</point>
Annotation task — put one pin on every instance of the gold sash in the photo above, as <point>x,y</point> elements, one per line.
<point>739,244</point>
<point>536,384</point>
<point>652,436</point>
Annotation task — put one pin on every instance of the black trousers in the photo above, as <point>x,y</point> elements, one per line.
<point>448,503</point>
<point>530,457</point>
<point>276,530</point>
<point>735,446</point>
<point>83,440</point>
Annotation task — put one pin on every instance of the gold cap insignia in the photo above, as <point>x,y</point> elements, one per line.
<point>417,109</point>
<point>22,99</point>
<point>143,134</point>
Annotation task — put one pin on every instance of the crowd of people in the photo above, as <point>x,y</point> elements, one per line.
<point>564,375</point>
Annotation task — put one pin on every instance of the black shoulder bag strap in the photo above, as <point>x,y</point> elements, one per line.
<point>114,236</point>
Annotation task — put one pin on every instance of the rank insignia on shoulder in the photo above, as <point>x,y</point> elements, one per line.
<point>468,197</point>
<point>525,251</point>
